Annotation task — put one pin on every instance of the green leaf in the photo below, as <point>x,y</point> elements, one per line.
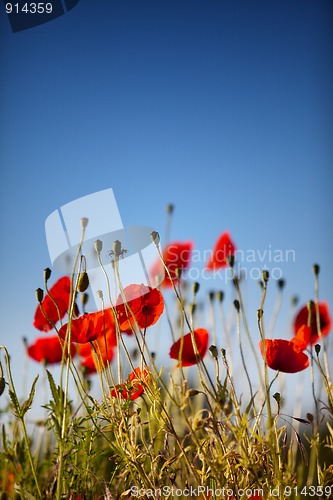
<point>15,403</point>
<point>53,388</point>
<point>27,405</point>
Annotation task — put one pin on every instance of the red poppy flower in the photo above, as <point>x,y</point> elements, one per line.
<point>144,305</point>
<point>183,348</point>
<point>176,255</point>
<point>89,327</point>
<point>325,321</point>
<point>60,292</point>
<point>302,337</point>
<point>104,347</point>
<point>48,349</point>
<point>133,387</point>
<point>224,248</point>
<point>284,355</point>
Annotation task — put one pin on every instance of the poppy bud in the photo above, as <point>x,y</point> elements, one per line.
<point>317,349</point>
<point>294,300</point>
<point>84,298</point>
<point>309,416</point>
<point>83,282</point>
<point>231,260</point>
<point>84,222</point>
<point>213,351</point>
<point>117,248</point>
<point>99,294</point>
<point>310,305</point>
<point>170,208</point>
<point>155,237</point>
<point>2,385</point>
<point>260,313</point>
<point>192,392</point>
<point>261,284</point>
<point>195,287</point>
<point>211,296</point>
<point>237,305</point>
<point>47,274</point>
<point>316,269</point>
<point>281,283</point>
<point>223,352</point>
<point>39,295</point>
<point>265,276</point>
<point>98,246</point>
<point>220,296</point>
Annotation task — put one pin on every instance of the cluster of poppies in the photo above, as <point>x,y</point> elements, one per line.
<point>93,336</point>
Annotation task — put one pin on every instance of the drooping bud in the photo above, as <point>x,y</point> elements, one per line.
<point>47,274</point>
<point>83,282</point>
<point>155,237</point>
<point>192,392</point>
<point>98,246</point>
<point>39,295</point>
<point>84,222</point>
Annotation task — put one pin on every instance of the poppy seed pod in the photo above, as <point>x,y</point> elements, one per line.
<point>83,282</point>
<point>98,246</point>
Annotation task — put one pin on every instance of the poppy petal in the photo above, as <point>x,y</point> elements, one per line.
<point>224,248</point>
<point>183,350</point>
<point>284,355</point>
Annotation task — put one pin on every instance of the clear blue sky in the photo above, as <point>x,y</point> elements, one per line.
<point>223,108</point>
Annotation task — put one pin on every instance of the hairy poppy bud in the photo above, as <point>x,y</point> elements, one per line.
<point>39,295</point>
<point>98,246</point>
<point>231,260</point>
<point>237,305</point>
<point>2,385</point>
<point>155,237</point>
<point>170,208</point>
<point>316,269</point>
<point>281,283</point>
<point>84,222</point>
<point>84,298</point>
<point>265,276</point>
<point>83,282</point>
<point>214,352</point>
<point>47,274</point>
<point>117,248</point>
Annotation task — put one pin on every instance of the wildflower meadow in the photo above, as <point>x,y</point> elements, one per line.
<point>212,424</point>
